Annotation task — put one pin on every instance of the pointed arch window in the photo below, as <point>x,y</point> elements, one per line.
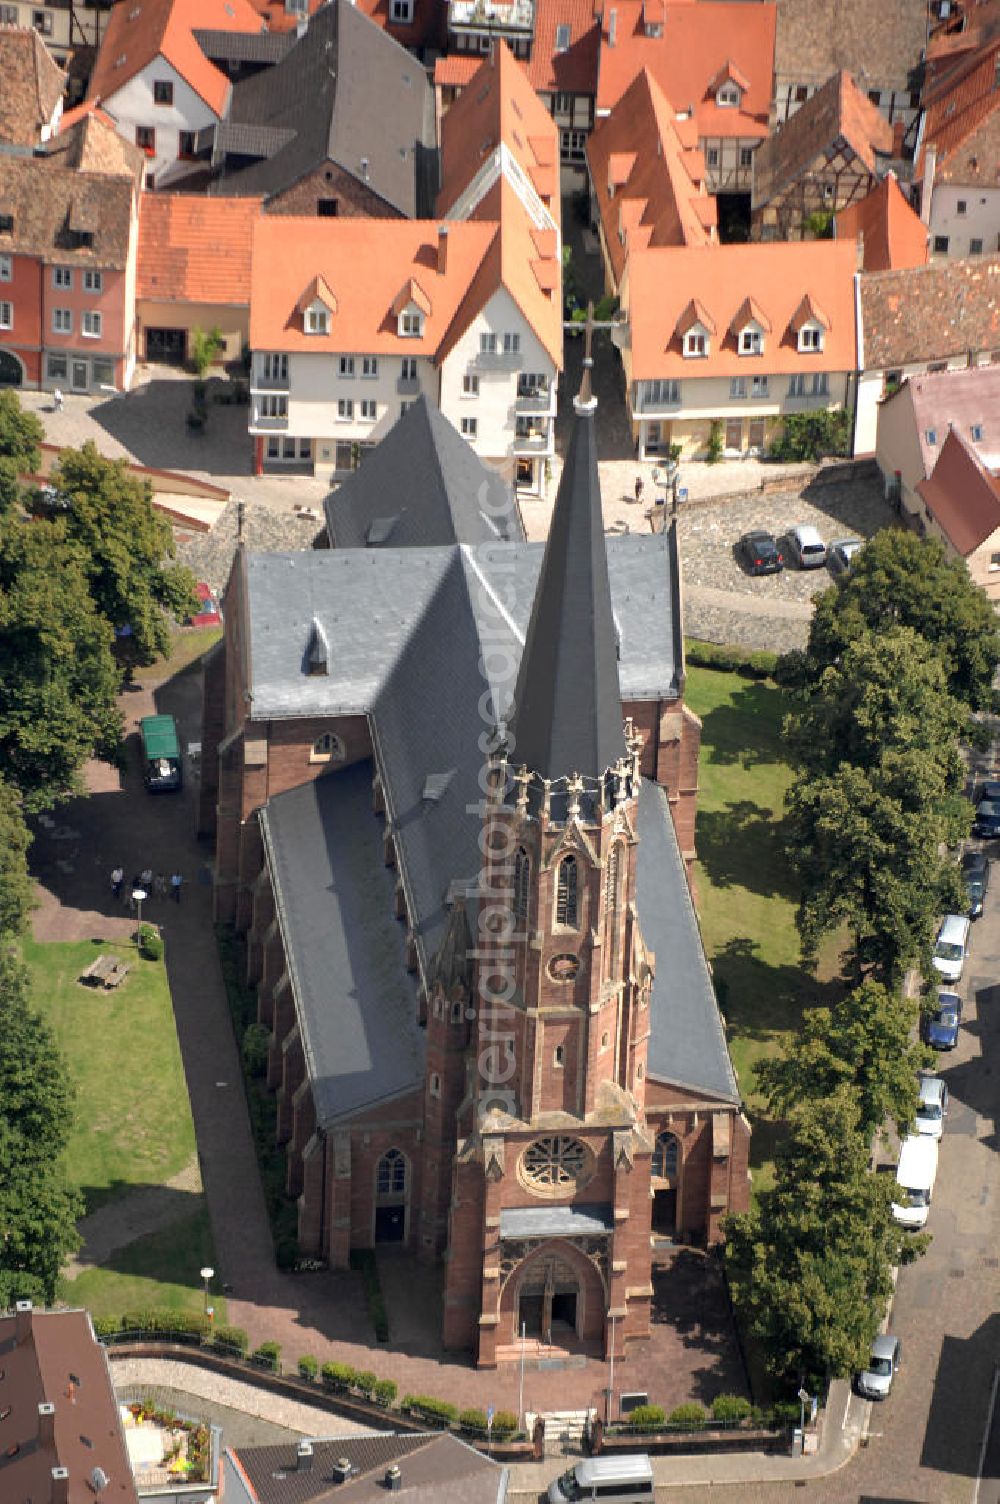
<point>666,1156</point>
<point>612,908</point>
<point>522,874</point>
<point>567,884</point>
<point>390,1178</point>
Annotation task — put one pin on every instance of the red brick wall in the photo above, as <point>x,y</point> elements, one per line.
<point>354,199</point>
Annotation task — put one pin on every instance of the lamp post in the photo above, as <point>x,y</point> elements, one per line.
<point>206,1274</point>
<point>804,1397</point>
<point>138,894</point>
<point>611,1375</point>
<point>520,1387</point>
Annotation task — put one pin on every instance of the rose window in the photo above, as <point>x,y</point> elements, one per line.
<point>555,1164</point>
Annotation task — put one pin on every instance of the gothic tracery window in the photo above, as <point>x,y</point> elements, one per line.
<point>522,872</point>
<point>612,902</point>
<point>566,893</point>
<point>390,1177</point>
<point>556,1163</point>
<point>666,1156</point>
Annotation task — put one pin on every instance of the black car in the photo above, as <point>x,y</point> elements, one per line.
<point>758,552</point>
<point>988,789</point>
<point>976,872</point>
<point>987,820</point>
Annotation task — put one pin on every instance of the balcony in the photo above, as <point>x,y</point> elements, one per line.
<point>648,407</point>
<point>408,386</point>
<point>269,425</point>
<point>499,360</point>
<point>538,441</point>
<point>263,383</point>
<point>535,400</point>
<point>514,17</point>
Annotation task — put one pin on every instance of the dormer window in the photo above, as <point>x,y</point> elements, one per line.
<point>751,340</point>
<point>810,339</point>
<point>317,319</point>
<point>728,97</point>
<point>411,324</point>
<point>696,342</point>
<point>562,37</point>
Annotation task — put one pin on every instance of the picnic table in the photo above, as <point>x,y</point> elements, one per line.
<point>106,971</point>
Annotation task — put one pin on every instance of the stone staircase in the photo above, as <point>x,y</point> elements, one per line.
<point>564,1429</point>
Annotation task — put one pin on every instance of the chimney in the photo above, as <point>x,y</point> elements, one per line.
<point>46,1425</point>
<point>612,27</point>
<point>394,1479</point>
<point>60,1485</point>
<point>442,249</point>
<point>341,1470</point>
<point>304,1456</point>
<point>22,1322</point>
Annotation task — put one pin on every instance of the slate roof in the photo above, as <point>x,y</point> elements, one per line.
<point>962,495</point>
<point>880,44</point>
<point>838,111</point>
<point>330,90</point>
<point>33,84</point>
<point>687,1043</point>
<point>263,47</point>
<point>926,313</point>
<point>567,711</point>
<point>356,1002</point>
<point>891,233</point>
<point>556,1221</point>
<point>422,486</point>
<point>436,1469</point>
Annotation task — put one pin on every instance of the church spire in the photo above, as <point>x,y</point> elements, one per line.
<point>567,713</point>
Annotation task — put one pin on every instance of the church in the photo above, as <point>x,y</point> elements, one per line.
<point>451,781</point>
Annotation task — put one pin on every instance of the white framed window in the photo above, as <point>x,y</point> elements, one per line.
<point>977,433</point>
<point>746,156</point>
<point>811,338</point>
<point>6,268</point>
<point>345,410</point>
<point>797,385</point>
<point>369,409</point>
<point>402,12</point>
<point>562,37</point>
<point>661,393</point>
<point>317,321</point>
<point>369,367</point>
<point>411,325</point>
<point>737,388</point>
<point>470,428</point>
<point>6,315</point>
<point>562,104</point>
<point>487,344</point>
<point>820,384</point>
<point>41,20</point>
<point>511,344</point>
<point>275,367</point>
<point>92,324</point>
<point>572,145</point>
<point>62,320</point>
<point>728,96</point>
<point>751,342</point>
<point>408,368</point>
<point>93,281</point>
<point>759,386</point>
<point>712,156</point>
<point>347,365</point>
<point>273,405</point>
<point>470,385</point>
<point>62,277</point>
<point>695,343</point>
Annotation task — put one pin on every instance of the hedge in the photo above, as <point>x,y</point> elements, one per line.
<point>151,1320</point>
<point>384,1393</point>
<point>267,1355</point>
<point>691,1417</point>
<point>759,664</point>
<point>231,1336</point>
<point>308,1367</point>
<point>337,1376</point>
<point>435,1412</point>
<point>728,1407</point>
<point>646,1418</point>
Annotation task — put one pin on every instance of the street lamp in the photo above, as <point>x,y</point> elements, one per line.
<point>611,1376</point>
<point>207,1273</point>
<point>138,894</point>
<point>804,1398</point>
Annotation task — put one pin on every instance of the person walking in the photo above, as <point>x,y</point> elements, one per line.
<point>57,400</point>
<point>117,882</point>
<point>638,488</point>
<point>160,885</point>
<point>176,880</point>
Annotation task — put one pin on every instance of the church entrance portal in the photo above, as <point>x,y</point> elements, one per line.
<point>548,1306</point>
<point>665,1213</point>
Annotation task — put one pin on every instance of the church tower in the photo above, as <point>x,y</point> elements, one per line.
<point>550,1215</point>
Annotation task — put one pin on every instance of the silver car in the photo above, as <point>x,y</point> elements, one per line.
<point>876,1381</point>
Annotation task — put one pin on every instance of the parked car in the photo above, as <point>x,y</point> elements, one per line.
<point>916,1173</point>
<point>976,872</point>
<point>951,946</point>
<point>876,1380</point>
<point>986,822</point>
<point>932,1106</point>
<point>840,554</point>
<point>941,1022</point>
<point>807,547</point>
<point>208,614</point>
<point>758,552</point>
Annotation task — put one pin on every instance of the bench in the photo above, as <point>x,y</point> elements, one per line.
<point>106,971</point>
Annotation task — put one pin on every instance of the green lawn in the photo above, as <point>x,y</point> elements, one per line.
<point>158,1271</point>
<point>133,1114</point>
<point>746,892</point>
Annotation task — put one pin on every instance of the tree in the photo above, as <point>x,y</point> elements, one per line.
<point>900,579</point>
<point>204,347</point>
<point>864,1043</point>
<point>38,1209</point>
<point>810,1266</point>
<point>15,884</point>
<point>20,435</point>
<point>125,544</point>
<point>58,678</point>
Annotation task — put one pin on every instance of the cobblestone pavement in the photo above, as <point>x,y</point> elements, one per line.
<point>265,1416</point>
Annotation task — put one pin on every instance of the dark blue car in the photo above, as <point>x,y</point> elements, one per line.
<point>941,1022</point>
<point>987,821</point>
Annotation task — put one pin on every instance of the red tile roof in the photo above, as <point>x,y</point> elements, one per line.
<point>925,313</point>
<point>455,70</point>
<point>667,286</point>
<point>891,233</point>
<point>290,254</point>
<point>427,29</point>
<point>657,173</point>
<point>195,250</point>
<point>962,495</point>
<point>140,31</point>
<point>962,113</point>
<point>276,15</point>
<point>573,70</point>
<point>700,39</point>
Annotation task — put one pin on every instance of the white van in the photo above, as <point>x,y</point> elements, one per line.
<point>615,1480</point>
<point>915,1176</point>
<point>952,946</point>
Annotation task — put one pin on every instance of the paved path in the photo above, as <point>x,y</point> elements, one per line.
<point>134,1215</point>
